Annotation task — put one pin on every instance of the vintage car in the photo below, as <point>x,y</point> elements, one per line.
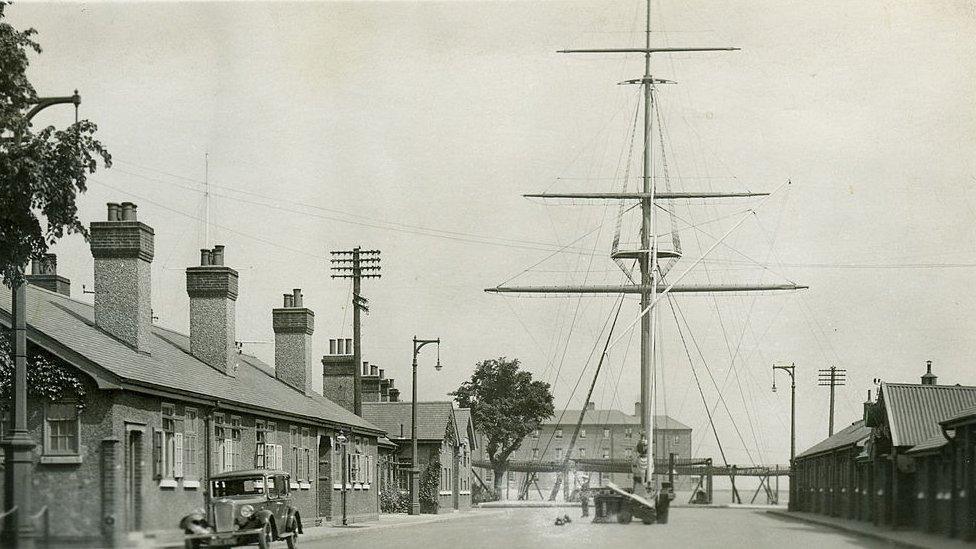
<point>245,507</point>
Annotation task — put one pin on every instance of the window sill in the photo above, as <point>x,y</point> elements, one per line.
<point>61,460</point>
<point>293,486</point>
<point>305,485</point>
<point>445,493</point>
<point>191,484</point>
<point>168,483</point>
<point>465,492</point>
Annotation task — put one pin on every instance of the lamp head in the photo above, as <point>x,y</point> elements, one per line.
<point>438,365</point>
<point>341,439</point>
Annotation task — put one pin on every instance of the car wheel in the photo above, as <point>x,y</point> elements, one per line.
<point>265,537</point>
<point>292,540</point>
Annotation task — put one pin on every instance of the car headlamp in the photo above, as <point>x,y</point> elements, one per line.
<point>247,511</point>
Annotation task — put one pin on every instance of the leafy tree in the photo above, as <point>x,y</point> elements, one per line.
<point>48,377</point>
<point>506,405</point>
<point>41,172</point>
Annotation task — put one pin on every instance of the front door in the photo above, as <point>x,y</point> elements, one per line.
<point>325,478</point>
<point>134,464</point>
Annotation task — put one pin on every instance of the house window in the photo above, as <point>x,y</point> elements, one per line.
<point>296,458</point>
<point>191,426</point>
<point>629,432</point>
<point>61,429</point>
<point>606,432</point>
<point>535,453</point>
<point>235,437</point>
<point>306,454</point>
<point>559,433</point>
<point>606,453</point>
<point>582,433</point>
<point>4,425</point>
<point>582,452</point>
<point>168,445</point>
<point>559,453</point>
<point>224,442</point>
<point>630,453</point>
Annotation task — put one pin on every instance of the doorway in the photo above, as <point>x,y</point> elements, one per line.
<point>134,465</point>
<point>325,477</point>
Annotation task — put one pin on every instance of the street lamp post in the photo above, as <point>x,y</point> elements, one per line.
<point>18,445</point>
<point>342,440</point>
<point>790,369</point>
<point>418,344</point>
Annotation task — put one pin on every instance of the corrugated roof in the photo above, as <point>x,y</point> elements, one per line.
<point>933,443</point>
<point>395,418</point>
<point>852,434</point>
<point>169,364</point>
<point>966,413</point>
<point>914,411</point>
<point>612,417</point>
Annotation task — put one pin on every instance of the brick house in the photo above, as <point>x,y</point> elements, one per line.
<point>445,435</point>
<point>163,410</point>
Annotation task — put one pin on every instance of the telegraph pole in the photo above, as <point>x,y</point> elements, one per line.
<point>831,377</point>
<point>356,264</point>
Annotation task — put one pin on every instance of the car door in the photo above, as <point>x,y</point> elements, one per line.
<point>281,503</point>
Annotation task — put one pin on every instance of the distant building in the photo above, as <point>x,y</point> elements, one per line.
<point>163,410</point>
<point>445,435</point>
<point>910,462</point>
<point>604,434</point>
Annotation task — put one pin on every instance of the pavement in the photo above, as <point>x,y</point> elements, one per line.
<point>899,538</point>
<point>396,520</point>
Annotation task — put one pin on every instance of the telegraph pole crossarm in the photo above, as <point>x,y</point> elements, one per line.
<point>356,264</point>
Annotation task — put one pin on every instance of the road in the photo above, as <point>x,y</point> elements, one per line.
<point>535,529</point>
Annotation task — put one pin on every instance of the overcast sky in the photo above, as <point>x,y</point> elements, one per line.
<point>414,128</point>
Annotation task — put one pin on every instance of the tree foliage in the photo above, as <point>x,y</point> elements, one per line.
<point>506,405</point>
<point>41,172</point>
<point>48,378</point>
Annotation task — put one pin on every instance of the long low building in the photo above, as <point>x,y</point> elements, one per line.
<point>910,462</point>
<point>133,418</point>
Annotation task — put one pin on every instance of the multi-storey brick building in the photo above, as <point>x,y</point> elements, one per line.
<point>604,434</point>
<point>159,411</point>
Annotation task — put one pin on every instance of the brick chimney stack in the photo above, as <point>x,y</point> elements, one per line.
<point>339,373</point>
<point>212,288</point>
<point>293,325</point>
<point>929,378</point>
<point>123,251</point>
<point>44,274</point>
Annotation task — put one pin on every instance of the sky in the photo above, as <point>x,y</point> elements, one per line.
<point>415,127</point>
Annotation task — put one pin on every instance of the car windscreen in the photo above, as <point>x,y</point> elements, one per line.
<point>243,486</point>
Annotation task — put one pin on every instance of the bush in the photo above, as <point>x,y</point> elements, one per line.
<point>480,494</point>
<point>430,487</point>
<point>393,500</point>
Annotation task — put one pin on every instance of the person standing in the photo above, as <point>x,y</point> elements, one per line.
<point>584,494</point>
<point>639,467</point>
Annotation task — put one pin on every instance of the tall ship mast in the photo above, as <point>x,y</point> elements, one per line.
<point>649,255</point>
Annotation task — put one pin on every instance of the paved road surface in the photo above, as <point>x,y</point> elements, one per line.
<point>534,529</point>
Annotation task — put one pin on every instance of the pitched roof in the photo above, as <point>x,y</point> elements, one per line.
<point>930,444</point>
<point>394,418</point>
<point>67,326</point>
<point>914,411</point>
<point>966,413</point>
<point>464,423</point>
<point>611,417</point>
<point>852,434</point>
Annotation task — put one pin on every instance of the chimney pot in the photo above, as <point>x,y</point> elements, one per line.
<point>381,373</point>
<point>929,378</point>
<point>591,406</point>
<point>204,257</point>
<point>288,300</point>
<point>44,274</point>
<point>297,300</point>
<point>128,211</point>
<point>374,370</point>
<point>349,346</point>
<point>217,256</point>
<point>332,346</point>
<point>113,212</point>
<point>35,266</point>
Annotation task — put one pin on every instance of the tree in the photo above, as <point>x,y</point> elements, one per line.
<point>506,405</point>
<point>42,172</point>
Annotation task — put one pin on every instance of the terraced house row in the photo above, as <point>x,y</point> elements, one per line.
<point>910,462</point>
<point>143,415</point>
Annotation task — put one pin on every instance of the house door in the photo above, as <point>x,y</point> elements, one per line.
<point>325,477</point>
<point>134,465</point>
